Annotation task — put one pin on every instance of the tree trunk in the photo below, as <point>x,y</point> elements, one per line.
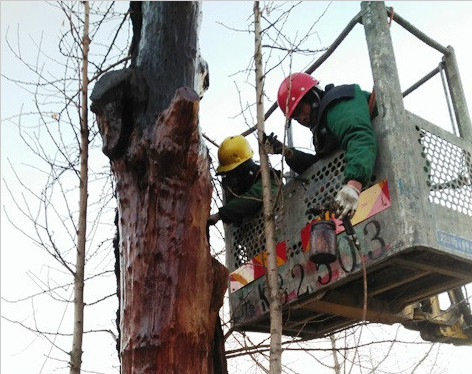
<point>171,288</point>
<point>76,352</point>
<point>275,358</point>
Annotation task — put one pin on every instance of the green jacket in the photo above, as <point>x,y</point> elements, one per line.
<point>349,121</point>
<point>343,122</point>
<point>248,203</point>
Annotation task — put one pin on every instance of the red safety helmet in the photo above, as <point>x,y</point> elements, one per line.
<point>297,84</point>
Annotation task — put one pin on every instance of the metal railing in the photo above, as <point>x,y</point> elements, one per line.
<point>454,91</point>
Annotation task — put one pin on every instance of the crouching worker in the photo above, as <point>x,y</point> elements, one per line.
<point>241,181</point>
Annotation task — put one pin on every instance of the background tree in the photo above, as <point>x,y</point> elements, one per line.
<point>79,279</point>
<point>61,143</point>
<point>268,207</point>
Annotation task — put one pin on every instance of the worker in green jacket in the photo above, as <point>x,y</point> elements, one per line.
<point>339,118</point>
<point>241,181</point>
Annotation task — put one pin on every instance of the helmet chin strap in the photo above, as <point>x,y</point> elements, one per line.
<point>315,106</point>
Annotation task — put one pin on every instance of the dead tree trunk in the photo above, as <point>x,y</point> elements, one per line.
<point>171,288</point>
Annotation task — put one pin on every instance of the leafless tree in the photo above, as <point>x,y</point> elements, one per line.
<point>268,207</point>
<point>64,149</point>
<point>285,47</point>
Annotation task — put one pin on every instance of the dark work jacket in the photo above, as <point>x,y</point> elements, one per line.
<point>248,202</point>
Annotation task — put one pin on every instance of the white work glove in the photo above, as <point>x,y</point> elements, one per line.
<point>347,199</point>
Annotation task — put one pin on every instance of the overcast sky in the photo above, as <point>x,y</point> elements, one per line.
<point>228,52</point>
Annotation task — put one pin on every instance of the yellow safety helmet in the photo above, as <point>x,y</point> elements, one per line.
<point>233,152</point>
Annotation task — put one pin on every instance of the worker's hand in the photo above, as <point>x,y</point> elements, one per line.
<point>213,219</point>
<point>347,200</point>
<point>272,145</point>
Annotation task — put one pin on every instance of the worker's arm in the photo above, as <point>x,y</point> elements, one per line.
<point>213,218</point>
<point>297,160</point>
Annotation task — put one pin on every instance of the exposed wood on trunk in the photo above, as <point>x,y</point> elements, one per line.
<point>171,288</point>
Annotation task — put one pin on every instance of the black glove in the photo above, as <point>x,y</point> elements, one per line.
<point>213,219</point>
<point>272,145</point>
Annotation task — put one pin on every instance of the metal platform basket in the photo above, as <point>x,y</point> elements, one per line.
<point>414,224</point>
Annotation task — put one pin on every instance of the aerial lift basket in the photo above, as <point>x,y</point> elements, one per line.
<point>414,226</point>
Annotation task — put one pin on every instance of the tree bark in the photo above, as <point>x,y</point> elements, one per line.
<point>171,288</point>
<point>275,358</point>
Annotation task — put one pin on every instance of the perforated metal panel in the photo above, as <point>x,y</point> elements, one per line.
<point>448,169</point>
<point>317,186</point>
<point>247,242</point>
